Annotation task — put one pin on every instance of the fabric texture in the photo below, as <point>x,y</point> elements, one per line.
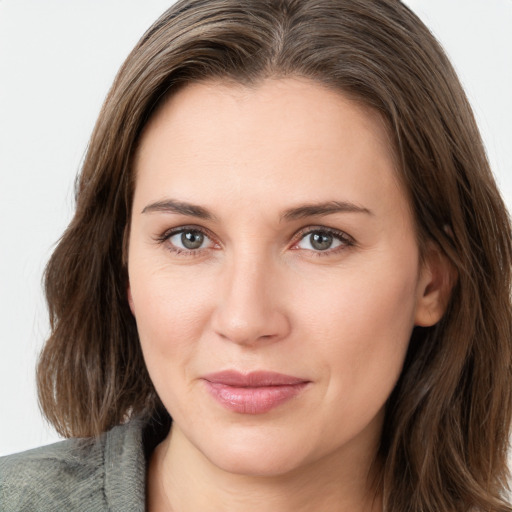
<point>107,473</point>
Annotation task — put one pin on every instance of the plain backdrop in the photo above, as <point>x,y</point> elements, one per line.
<point>57,61</point>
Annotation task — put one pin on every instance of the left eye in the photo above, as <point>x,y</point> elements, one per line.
<point>321,241</point>
<point>190,240</point>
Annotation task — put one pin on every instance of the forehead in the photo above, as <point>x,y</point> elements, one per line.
<point>304,102</point>
<point>294,135</point>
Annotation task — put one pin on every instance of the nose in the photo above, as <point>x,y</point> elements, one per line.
<point>250,307</point>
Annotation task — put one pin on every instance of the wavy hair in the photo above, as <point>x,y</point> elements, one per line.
<point>445,437</point>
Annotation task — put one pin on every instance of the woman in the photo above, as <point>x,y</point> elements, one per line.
<point>288,240</point>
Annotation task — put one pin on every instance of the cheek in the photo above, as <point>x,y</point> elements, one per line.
<point>167,313</point>
<point>377,299</point>
<point>170,310</point>
<point>361,323</point>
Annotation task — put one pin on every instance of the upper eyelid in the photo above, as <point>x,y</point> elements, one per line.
<point>312,229</point>
<point>180,229</point>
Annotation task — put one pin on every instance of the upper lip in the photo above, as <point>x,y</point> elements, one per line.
<point>253,379</point>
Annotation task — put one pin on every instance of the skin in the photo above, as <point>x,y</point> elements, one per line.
<point>257,295</point>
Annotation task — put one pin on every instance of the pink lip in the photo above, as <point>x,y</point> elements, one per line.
<point>255,392</point>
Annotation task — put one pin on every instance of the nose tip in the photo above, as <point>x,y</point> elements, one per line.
<point>249,311</point>
<point>246,331</point>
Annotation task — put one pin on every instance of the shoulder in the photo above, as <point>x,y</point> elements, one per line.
<point>68,473</point>
<point>94,474</point>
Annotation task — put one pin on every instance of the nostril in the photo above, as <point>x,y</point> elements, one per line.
<point>253,329</point>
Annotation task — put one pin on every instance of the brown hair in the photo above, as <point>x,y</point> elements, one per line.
<point>447,424</point>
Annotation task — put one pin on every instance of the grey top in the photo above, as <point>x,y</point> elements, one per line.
<point>107,473</point>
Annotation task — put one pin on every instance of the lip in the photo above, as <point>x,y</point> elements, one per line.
<point>253,393</point>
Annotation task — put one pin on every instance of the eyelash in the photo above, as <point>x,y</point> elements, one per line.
<point>345,240</point>
<point>167,235</point>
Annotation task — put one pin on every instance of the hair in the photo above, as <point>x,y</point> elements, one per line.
<point>445,436</point>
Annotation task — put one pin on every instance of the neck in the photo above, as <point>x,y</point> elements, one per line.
<point>182,479</point>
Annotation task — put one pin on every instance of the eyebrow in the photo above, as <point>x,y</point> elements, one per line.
<point>298,212</point>
<point>179,207</point>
<point>321,209</point>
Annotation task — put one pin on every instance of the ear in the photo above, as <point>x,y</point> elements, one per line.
<point>435,285</point>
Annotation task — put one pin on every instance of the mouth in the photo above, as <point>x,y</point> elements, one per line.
<point>255,392</point>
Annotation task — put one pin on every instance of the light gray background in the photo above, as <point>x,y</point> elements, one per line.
<point>57,61</point>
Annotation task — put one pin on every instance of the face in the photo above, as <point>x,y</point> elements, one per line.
<point>274,273</point>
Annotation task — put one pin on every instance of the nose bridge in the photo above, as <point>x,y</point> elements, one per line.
<point>248,306</point>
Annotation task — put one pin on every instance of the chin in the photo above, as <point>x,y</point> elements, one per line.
<point>262,455</point>
<point>255,464</point>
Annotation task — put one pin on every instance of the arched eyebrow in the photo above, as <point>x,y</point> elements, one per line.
<point>179,207</point>
<point>297,212</point>
<point>321,209</point>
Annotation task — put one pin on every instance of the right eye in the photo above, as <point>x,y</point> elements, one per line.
<point>188,240</point>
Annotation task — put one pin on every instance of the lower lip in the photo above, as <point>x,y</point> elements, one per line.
<point>253,400</point>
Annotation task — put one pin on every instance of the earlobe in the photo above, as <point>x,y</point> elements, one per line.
<point>435,285</point>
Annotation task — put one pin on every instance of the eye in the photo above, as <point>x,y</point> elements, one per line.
<point>323,240</point>
<point>186,240</point>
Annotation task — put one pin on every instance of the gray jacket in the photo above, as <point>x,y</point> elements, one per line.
<point>107,473</point>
